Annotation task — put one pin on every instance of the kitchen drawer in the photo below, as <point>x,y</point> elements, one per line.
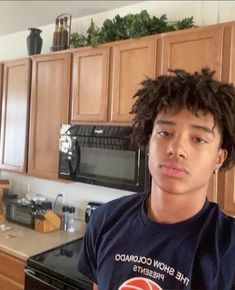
<point>7,284</point>
<point>12,268</point>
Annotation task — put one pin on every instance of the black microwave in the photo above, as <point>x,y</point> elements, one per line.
<point>103,155</point>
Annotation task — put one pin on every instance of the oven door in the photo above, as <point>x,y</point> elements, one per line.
<point>36,280</point>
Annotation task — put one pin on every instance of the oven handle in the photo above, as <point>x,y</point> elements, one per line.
<point>31,274</point>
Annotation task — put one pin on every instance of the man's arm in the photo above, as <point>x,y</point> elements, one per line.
<point>95,287</point>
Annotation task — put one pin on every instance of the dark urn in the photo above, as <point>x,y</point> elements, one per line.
<point>34,41</point>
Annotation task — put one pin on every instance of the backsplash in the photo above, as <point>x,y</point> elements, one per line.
<point>74,193</point>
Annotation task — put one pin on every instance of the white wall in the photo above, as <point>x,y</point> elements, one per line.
<point>14,46</point>
<point>76,194</point>
<point>204,13</point>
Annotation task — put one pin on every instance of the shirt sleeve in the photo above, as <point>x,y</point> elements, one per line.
<point>87,263</point>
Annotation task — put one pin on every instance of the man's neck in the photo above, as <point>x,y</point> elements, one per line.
<point>164,207</point>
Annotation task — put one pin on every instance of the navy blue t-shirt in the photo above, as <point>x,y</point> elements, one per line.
<point>124,248</point>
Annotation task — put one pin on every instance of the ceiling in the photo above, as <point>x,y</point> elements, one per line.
<point>20,15</point>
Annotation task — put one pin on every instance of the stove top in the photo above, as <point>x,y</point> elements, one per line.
<point>61,263</point>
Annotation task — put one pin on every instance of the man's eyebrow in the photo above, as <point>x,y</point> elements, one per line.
<point>200,127</point>
<point>204,128</point>
<point>161,121</point>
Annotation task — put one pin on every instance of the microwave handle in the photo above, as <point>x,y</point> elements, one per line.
<point>74,165</point>
<point>138,158</point>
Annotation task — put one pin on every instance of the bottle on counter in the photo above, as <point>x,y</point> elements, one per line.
<point>55,42</point>
<point>65,216</point>
<point>61,37</point>
<point>71,222</point>
<point>65,34</point>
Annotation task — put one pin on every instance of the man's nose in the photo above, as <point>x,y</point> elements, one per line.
<point>177,148</point>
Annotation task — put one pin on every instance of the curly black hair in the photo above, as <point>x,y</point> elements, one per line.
<point>196,92</point>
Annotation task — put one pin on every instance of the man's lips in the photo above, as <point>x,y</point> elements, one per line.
<point>173,169</point>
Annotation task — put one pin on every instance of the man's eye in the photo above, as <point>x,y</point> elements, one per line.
<point>199,140</point>
<point>163,133</point>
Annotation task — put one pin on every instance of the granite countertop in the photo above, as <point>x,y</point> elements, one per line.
<point>23,242</point>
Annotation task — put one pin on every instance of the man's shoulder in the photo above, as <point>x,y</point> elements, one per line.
<point>122,202</point>
<point>223,225</point>
<point>229,222</point>
<point>224,217</point>
<point>135,197</point>
<point>221,217</point>
<point>119,206</point>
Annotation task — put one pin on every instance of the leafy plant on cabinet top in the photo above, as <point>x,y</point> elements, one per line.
<point>129,26</point>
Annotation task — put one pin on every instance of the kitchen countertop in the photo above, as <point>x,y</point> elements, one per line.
<point>23,242</point>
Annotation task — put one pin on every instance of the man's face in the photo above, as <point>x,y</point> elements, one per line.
<point>184,151</point>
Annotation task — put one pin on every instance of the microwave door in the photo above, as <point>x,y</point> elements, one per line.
<point>109,162</point>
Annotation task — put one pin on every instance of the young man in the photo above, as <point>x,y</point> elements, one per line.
<point>172,237</point>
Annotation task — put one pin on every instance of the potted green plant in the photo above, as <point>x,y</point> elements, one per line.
<point>129,26</point>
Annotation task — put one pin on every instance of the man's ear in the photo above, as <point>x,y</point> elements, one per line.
<point>221,157</point>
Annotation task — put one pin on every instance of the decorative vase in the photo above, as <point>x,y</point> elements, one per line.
<point>34,41</point>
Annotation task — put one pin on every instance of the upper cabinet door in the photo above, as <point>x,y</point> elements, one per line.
<point>14,118</point>
<point>212,191</point>
<point>192,50</point>
<point>227,179</point>
<point>49,109</point>
<point>227,186</point>
<point>132,62</point>
<point>90,79</point>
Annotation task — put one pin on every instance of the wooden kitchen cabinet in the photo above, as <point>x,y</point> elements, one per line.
<point>14,115</point>
<point>192,49</point>
<point>226,184</point>
<point>227,191</point>
<point>105,79</point>
<point>132,62</point>
<point>49,109</point>
<point>11,272</point>
<point>90,77</point>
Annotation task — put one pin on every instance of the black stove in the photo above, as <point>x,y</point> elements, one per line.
<point>56,269</point>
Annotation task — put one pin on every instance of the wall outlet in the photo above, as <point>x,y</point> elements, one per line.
<point>61,198</point>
